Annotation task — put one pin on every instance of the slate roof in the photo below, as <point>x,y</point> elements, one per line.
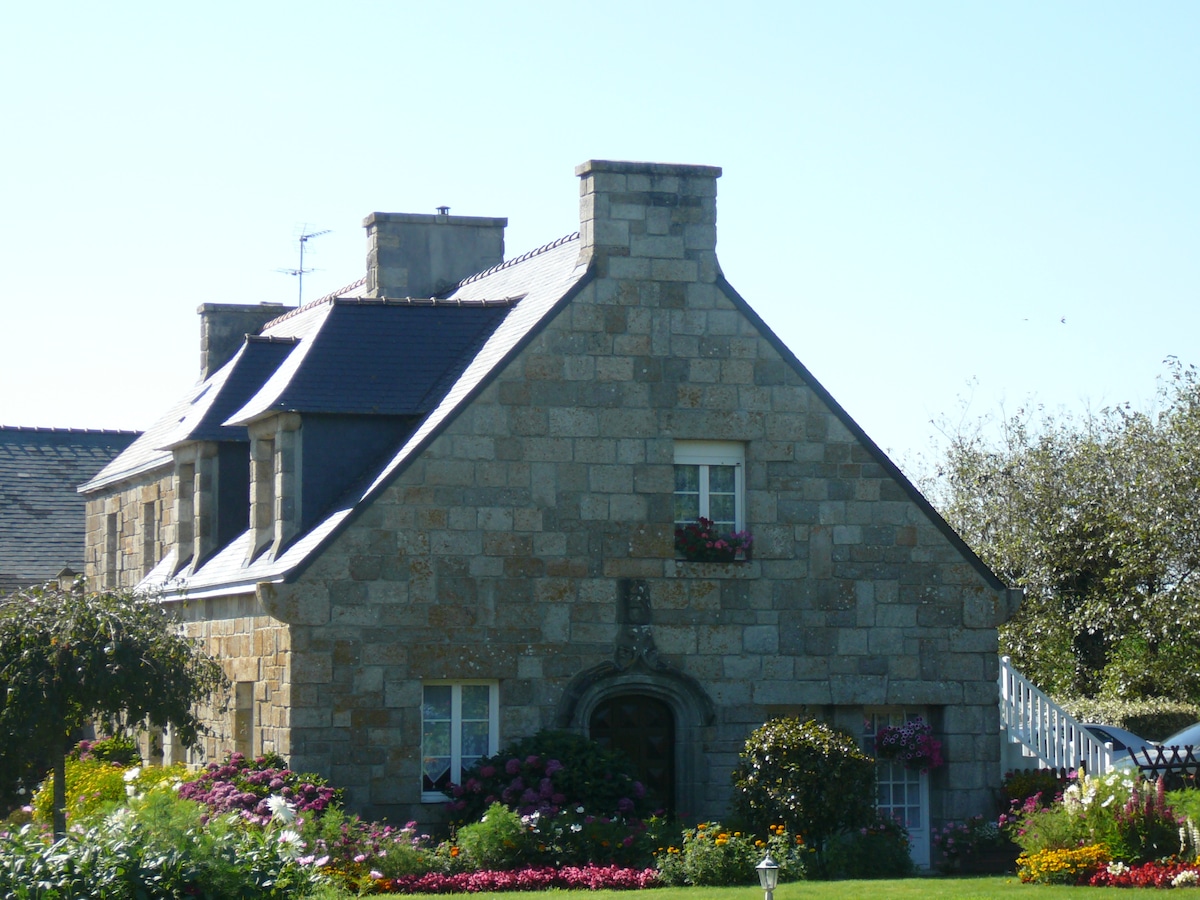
<point>42,517</point>
<point>377,358</point>
<point>422,358</point>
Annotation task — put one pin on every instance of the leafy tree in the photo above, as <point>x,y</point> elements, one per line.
<point>68,658</point>
<point>1095,517</point>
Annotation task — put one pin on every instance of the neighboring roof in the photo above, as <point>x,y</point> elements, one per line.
<point>469,333</point>
<point>42,517</point>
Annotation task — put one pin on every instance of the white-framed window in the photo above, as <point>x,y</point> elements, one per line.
<point>710,483</point>
<point>459,725</point>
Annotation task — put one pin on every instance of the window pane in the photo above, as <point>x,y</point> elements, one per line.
<point>721,510</point>
<point>437,702</point>
<point>687,478</point>
<point>721,479</point>
<point>687,507</point>
<point>474,742</point>
<point>436,741</point>
<point>476,701</point>
<point>436,773</point>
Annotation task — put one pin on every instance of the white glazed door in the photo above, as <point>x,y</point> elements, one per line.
<point>901,793</point>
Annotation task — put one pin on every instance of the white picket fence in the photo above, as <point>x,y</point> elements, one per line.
<point>1038,732</point>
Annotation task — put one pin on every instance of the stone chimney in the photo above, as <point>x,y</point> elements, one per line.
<point>414,255</point>
<point>649,220</point>
<point>224,326</point>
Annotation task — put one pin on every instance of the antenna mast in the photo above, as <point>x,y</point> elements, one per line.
<point>305,236</point>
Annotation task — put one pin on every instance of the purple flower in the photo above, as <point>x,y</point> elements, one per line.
<point>513,766</point>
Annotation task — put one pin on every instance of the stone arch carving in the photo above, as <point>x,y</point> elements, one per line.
<point>693,710</point>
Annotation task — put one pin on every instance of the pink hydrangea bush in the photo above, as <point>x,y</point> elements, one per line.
<point>243,785</point>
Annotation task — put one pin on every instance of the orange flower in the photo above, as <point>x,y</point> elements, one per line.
<point>454,851</point>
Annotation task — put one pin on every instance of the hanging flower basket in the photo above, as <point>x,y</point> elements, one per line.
<point>912,743</point>
<point>701,542</point>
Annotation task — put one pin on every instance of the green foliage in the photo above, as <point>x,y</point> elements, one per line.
<point>1095,519</point>
<point>549,772</point>
<point>119,750</point>
<point>1154,719</point>
<point>1145,826</point>
<point>712,855</point>
<point>878,850</point>
<point>355,848</point>
<point>813,779</point>
<point>499,840</point>
<point>94,786</point>
<point>68,658</point>
<point>157,847</point>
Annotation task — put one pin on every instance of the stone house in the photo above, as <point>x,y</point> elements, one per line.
<point>435,512</point>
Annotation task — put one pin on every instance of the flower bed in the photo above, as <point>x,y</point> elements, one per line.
<point>530,878</point>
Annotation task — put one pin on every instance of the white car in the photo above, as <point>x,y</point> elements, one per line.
<point>1186,738</point>
<point>1122,741</point>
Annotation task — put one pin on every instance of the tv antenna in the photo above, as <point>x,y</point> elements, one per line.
<point>305,237</point>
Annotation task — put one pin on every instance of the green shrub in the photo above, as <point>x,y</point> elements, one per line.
<point>878,850</point>
<point>94,787</point>
<point>813,779</point>
<point>551,771</point>
<point>1155,719</point>
<point>119,750</point>
<point>499,840</point>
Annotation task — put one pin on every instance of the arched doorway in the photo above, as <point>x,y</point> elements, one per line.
<point>642,727</point>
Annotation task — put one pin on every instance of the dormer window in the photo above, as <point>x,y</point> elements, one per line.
<point>211,498</point>
<point>275,483</point>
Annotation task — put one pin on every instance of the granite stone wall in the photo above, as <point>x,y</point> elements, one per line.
<point>503,552</point>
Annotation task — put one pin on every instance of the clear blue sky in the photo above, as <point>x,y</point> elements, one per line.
<point>915,195</point>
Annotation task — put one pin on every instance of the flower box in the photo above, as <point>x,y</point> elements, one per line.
<point>700,541</point>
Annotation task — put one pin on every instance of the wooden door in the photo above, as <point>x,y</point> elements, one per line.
<point>644,729</point>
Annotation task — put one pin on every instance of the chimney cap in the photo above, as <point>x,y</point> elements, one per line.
<point>623,167</point>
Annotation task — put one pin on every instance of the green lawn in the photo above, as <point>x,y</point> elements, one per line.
<point>1006,886</point>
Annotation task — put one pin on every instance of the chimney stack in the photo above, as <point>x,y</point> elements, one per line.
<point>224,326</point>
<point>414,255</point>
<point>649,220</point>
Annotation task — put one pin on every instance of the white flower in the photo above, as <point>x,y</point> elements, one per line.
<point>131,775</point>
<point>576,827</point>
<point>1117,868</point>
<point>1189,878</point>
<point>291,839</point>
<point>281,809</point>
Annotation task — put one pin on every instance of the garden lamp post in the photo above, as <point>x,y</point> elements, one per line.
<point>768,876</point>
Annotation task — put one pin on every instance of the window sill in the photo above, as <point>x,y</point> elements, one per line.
<point>738,568</point>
